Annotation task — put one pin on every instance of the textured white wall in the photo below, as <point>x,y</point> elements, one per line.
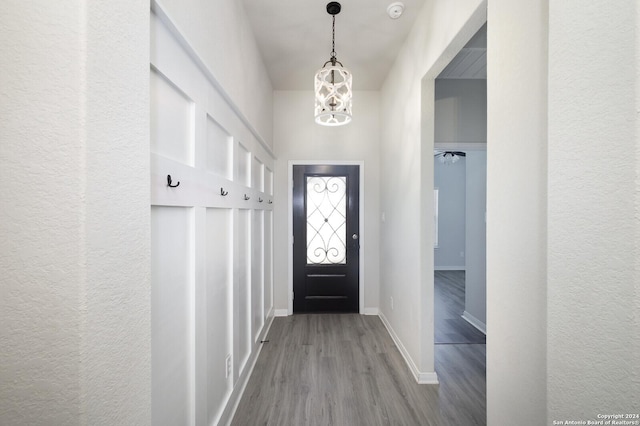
<point>75,213</point>
<point>221,35</point>
<point>516,211</point>
<point>593,363</point>
<point>564,224</point>
<point>41,214</point>
<point>298,137</point>
<point>441,29</point>
<point>116,333</point>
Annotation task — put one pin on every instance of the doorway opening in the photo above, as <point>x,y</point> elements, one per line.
<point>460,129</point>
<point>459,165</point>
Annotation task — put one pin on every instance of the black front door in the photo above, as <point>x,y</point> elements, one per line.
<point>326,236</point>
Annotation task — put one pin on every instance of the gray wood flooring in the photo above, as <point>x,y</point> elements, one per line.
<point>450,327</point>
<point>344,369</point>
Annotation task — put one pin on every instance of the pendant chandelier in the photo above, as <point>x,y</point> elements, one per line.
<point>333,84</point>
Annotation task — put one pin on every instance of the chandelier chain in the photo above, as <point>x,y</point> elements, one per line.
<point>333,39</point>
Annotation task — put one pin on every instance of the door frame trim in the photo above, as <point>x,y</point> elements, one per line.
<point>290,227</point>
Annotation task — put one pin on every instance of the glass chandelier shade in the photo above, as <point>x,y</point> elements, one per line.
<point>333,84</point>
<point>449,158</point>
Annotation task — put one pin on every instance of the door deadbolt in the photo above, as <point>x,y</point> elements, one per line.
<point>354,236</point>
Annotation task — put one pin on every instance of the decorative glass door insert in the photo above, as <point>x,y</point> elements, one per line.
<point>326,220</point>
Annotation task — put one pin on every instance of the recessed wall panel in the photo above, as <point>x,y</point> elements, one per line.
<point>243,166</point>
<point>242,275</point>
<point>257,276</point>
<point>268,181</point>
<point>171,121</point>
<point>219,150</point>
<point>257,174</point>
<point>171,315</point>
<point>268,243</point>
<point>219,310</point>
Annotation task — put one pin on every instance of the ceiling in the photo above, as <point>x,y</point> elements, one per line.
<point>294,37</point>
<point>471,61</point>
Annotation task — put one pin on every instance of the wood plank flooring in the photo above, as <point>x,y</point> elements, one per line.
<point>450,327</point>
<point>344,369</point>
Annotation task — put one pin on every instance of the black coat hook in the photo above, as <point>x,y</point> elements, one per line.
<point>270,202</point>
<point>169,182</point>
<point>260,200</point>
<point>246,198</point>
<point>223,192</point>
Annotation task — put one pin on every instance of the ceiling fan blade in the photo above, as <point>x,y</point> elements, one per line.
<point>458,153</point>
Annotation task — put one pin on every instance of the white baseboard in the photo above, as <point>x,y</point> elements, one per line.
<point>475,322</point>
<point>238,390</point>
<point>428,379</point>
<point>270,314</point>
<point>423,378</point>
<point>450,268</point>
<point>285,312</point>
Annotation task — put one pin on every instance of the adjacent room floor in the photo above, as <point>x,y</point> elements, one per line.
<point>450,327</point>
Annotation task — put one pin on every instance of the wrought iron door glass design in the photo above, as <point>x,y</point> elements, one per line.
<point>326,220</point>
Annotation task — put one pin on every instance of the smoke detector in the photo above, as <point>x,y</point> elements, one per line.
<point>395,10</point>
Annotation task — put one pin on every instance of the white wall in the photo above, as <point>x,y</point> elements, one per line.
<point>441,29</point>
<point>298,137</point>
<point>74,220</point>
<point>593,288</point>
<point>450,179</point>
<point>461,111</point>
<point>516,211</point>
<point>475,309</point>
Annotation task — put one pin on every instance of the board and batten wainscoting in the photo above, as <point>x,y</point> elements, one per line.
<point>211,237</point>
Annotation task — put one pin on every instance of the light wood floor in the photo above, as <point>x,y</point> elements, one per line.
<point>345,370</point>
